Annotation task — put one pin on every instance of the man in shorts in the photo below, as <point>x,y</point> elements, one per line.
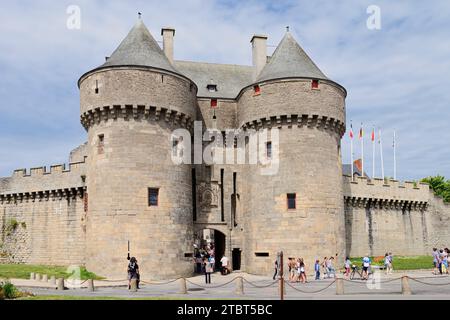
<point>366,267</point>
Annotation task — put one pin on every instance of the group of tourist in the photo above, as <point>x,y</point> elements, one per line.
<point>205,262</point>
<point>297,269</point>
<point>440,261</point>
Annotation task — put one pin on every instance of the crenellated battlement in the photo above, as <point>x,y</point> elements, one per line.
<point>54,169</point>
<point>40,181</point>
<point>393,194</point>
<point>137,112</point>
<point>299,120</point>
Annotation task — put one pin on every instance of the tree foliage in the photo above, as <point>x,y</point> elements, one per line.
<point>440,186</point>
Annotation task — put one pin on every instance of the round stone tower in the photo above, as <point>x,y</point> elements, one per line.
<point>297,206</point>
<point>138,199</point>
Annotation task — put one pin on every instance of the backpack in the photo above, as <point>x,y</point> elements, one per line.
<point>132,267</point>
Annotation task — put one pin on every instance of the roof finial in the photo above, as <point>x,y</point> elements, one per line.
<point>287,29</point>
<point>139,15</point>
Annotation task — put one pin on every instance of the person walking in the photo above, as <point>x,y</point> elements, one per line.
<point>276,269</point>
<point>198,262</point>
<point>133,272</point>
<point>387,263</point>
<point>391,262</point>
<point>347,266</point>
<point>325,268</point>
<point>302,271</point>
<point>330,267</point>
<point>317,269</point>
<point>435,255</point>
<point>208,270</point>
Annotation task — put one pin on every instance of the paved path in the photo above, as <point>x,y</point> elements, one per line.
<point>260,287</point>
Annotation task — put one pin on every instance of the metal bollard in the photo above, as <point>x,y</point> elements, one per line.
<point>133,285</point>
<point>339,286</point>
<point>61,284</point>
<point>45,278</point>
<point>240,286</point>
<point>281,286</point>
<point>53,280</point>
<point>32,276</point>
<point>406,290</point>
<point>38,277</point>
<point>91,285</point>
<point>183,286</point>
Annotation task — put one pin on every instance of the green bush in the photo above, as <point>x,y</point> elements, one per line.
<point>11,226</point>
<point>9,291</point>
<point>24,225</point>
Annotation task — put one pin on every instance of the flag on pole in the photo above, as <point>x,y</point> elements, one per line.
<point>361,137</point>
<point>351,131</point>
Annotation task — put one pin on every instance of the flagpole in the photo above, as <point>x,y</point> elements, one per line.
<point>351,150</point>
<point>362,150</point>
<point>395,158</point>
<point>381,155</point>
<point>351,157</point>
<point>373,152</point>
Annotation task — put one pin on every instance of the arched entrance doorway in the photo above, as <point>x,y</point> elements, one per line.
<point>207,239</point>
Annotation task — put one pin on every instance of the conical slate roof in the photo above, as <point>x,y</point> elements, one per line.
<point>139,48</point>
<point>290,61</point>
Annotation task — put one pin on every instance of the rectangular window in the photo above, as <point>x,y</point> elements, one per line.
<point>292,201</point>
<point>261,254</point>
<point>175,147</point>
<point>153,197</point>
<point>269,150</point>
<point>315,84</point>
<point>101,144</point>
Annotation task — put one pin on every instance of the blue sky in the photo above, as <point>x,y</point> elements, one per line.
<point>396,77</point>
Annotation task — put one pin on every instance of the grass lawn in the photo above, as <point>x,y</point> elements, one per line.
<point>401,263</point>
<point>22,271</point>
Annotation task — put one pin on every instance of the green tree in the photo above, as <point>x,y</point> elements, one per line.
<point>440,186</point>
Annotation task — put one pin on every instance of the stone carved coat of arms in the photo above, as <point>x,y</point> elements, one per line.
<point>208,195</point>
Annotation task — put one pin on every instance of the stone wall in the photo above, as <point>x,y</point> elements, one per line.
<point>389,216</point>
<point>42,216</point>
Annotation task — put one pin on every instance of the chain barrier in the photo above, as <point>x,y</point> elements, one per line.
<point>427,283</point>
<point>302,291</point>
<point>212,287</point>
<point>75,283</point>
<point>260,287</point>
<point>159,283</point>
<point>360,281</point>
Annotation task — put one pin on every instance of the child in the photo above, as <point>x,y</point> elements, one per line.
<point>347,265</point>
<point>317,269</point>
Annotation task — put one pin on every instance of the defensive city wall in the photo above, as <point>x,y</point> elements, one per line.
<point>390,216</point>
<point>42,215</point>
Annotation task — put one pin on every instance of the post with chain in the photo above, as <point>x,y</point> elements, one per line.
<point>406,290</point>
<point>280,271</point>
<point>240,286</point>
<point>183,286</point>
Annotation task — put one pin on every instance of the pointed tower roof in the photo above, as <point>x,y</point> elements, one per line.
<point>139,48</point>
<point>290,61</point>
